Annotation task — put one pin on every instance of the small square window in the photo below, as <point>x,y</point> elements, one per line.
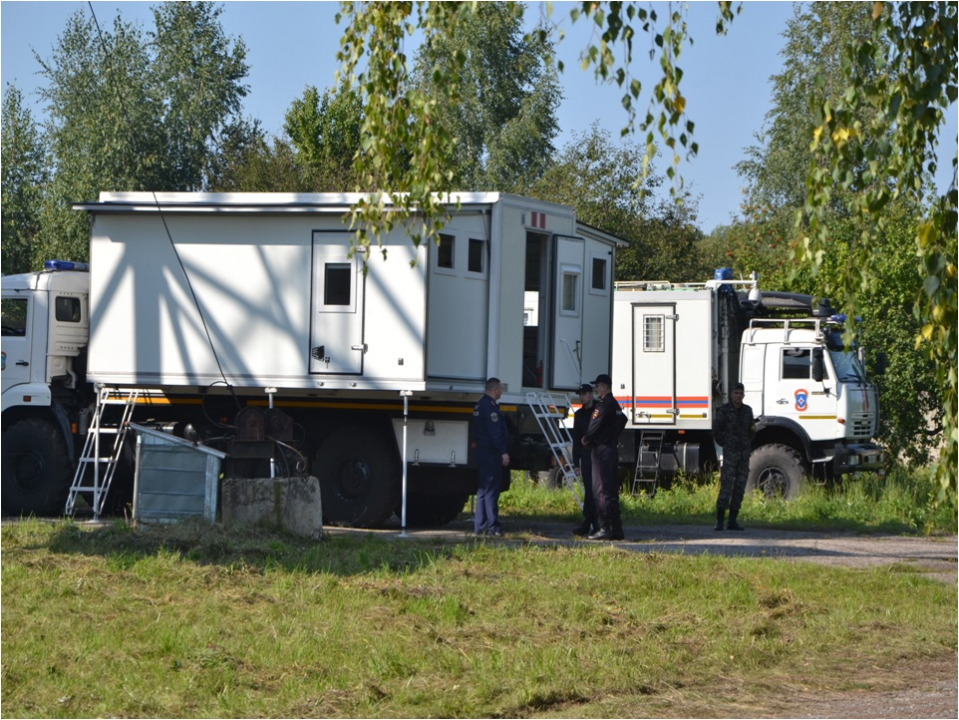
<point>338,284</point>
<point>476,264</point>
<point>654,333</point>
<point>797,364</point>
<point>67,309</point>
<point>444,251</point>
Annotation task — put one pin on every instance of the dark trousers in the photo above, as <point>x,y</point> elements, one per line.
<point>732,481</point>
<point>589,499</point>
<point>606,484</point>
<point>487,493</point>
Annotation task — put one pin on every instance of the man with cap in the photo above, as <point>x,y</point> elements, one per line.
<point>582,459</point>
<point>733,430</point>
<point>602,437</point>
<point>491,439</point>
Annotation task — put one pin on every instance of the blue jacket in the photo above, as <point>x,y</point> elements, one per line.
<point>489,428</point>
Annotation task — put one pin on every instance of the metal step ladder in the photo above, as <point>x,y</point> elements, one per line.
<point>550,420</point>
<point>647,460</point>
<point>101,450</point>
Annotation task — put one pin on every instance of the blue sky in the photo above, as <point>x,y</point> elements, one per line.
<point>291,45</point>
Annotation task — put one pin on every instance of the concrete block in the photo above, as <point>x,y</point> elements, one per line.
<point>291,504</point>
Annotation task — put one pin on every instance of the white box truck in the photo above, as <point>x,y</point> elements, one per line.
<point>678,349</point>
<point>209,301</point>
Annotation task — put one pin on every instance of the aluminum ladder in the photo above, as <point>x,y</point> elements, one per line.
<point>98,461</point>
<point>550,420</point>
<point>647,460</point>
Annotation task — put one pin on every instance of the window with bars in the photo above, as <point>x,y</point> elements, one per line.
<point>654,333</point>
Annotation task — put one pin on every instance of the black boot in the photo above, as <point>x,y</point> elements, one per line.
<point>604,533</point>
<point>585,529</point>
<point>733,525</point>
<point>720,518</point>
<point>616,531</point>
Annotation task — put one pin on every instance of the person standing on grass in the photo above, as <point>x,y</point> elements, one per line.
<point>733,430</point>
<point>583,460</point>
<point>491,439</point>
<point>602,437</point>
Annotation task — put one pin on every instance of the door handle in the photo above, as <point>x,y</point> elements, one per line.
<point>361,347</point>
<point>782,401</point>
<point>22,363</point>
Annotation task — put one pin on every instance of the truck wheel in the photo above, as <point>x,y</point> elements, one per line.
<point>432,510</point>
<point>551,479</point>
<point>36,471</point>
<point>359,477</point>
<point>776,471</point>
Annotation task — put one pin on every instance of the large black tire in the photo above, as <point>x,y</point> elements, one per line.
<point>359,477</point>
<point>776,471</point>
<point>37,473</point>
<point>431,510</point>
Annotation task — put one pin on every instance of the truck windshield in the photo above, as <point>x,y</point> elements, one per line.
<point>847,366</point>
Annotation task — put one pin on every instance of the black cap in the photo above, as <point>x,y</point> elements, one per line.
<point>585,388</point>
<point>605,379</point>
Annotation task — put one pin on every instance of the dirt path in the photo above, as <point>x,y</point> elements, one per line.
<point>936,556</point>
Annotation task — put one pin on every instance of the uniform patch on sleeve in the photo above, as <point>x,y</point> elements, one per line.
<point>595,413</point>
<point>494,416</point>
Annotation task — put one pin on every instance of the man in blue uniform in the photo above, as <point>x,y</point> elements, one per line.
<point>491,439</point>
<point>602,438</point>
<point>582,459</point>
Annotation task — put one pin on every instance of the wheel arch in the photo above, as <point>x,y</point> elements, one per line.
<point>783,431</point>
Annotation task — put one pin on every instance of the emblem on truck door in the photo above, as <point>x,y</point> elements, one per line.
<point>802,400</point>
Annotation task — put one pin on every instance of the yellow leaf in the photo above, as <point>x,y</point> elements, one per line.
<point>927,331</point>
<point>679,103</point>
<point>877,8</point>
<point>927,234</point>
<point>817,134</point>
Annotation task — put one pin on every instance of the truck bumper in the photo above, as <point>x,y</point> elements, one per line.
<point>864,457</point>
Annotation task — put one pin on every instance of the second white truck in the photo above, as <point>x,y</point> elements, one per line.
<point>679,349</point>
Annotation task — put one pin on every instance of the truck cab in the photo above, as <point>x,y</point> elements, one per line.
<point>809,389</point>
<point>45,331</point>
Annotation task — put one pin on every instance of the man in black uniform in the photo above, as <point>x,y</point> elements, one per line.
<point>733,430</point>
<point>582,459</point>
<point>492,440</point>
<point>602,435</point>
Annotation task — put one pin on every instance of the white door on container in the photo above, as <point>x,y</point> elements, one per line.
<point>567,320</point>
<point>654,364</point>
<point>336,333</point>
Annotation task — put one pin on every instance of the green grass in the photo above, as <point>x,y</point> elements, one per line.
<point>898,503</point>
<point>202,621</point>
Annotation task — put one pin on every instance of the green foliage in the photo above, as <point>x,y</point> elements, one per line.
<point>24,177</point>
<point>411,153</point>
<point>325,131</point>
<point>504,121</point>
<point>598,178</point>
<point>878,144</point>
<point>133,112</point>
<point>776,169</point>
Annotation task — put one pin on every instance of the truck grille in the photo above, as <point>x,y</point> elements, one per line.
<point>861,426</point>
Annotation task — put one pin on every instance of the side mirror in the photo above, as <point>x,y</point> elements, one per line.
<point>880,363</point>
<point>817,367</point>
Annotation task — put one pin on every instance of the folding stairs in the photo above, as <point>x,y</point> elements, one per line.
<point>101,450</point>
<point>647,460</point>
<point>550,420</point>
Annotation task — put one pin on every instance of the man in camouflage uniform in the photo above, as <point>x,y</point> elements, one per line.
<point>733,430</point>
